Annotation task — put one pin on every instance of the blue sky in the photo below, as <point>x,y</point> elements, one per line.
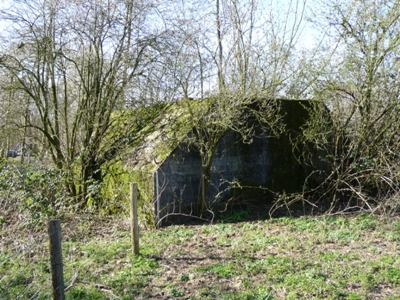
<point>308,37</point>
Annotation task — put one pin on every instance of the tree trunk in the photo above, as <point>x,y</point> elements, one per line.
<point>221,81</point>
<point>91,177</point>
<point>204,184</point>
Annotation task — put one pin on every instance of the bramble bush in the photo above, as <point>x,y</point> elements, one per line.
<point>32,189</point>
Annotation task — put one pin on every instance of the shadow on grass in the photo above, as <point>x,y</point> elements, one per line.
<point>243,213</point>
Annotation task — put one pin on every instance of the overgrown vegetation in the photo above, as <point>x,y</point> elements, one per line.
<point>327,257</point>
<point>65,86</point>
<point>33,190</point>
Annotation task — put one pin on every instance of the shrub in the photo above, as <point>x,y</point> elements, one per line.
<point>32,188</point>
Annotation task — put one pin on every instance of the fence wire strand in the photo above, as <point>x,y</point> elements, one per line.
<point>21,262</point>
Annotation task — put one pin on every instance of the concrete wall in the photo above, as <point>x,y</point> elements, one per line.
<point>177,182</point>
<point>264,166</point>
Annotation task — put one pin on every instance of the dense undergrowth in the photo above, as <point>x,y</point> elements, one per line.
<point>38,192</point>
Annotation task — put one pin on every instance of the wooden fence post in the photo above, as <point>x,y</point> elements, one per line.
<point>134,219</point>
<point>56,260</point>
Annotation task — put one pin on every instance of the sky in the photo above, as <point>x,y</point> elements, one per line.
<point>308,34</point>
<point>4,4</point>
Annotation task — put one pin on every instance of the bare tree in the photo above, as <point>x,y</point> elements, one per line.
<point>362,89</point>
<point>242,44</point>
<point>74,62</point>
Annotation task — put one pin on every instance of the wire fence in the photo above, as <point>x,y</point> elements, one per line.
<point>89,253</point>
<point>25,269</point>
<point>90,242</point>
<point>23,263</point>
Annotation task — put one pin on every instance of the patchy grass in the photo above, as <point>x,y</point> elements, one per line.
<point>339,257</point>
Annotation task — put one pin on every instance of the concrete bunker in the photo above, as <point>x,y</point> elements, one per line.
<point>242,173</point>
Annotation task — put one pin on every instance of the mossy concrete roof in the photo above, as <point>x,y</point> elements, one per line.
<point>171,126</point>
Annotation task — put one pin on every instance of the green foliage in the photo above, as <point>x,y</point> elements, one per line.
<point>85,294</point>
<point>176,293</point>
<point>145,197</point>
<point>185,277</point>
<point>114,189</point>
<point>3,162</point>
<point>221,270</point>
<point>33,188</point>
<point>234,216</point>
<point>257,294</point>
<point>126,133</point>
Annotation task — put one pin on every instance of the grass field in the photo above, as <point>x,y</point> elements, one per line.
<point>325,257</point>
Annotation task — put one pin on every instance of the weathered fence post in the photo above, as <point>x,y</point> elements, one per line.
<point>56,260</point>
<point>134,219</point>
